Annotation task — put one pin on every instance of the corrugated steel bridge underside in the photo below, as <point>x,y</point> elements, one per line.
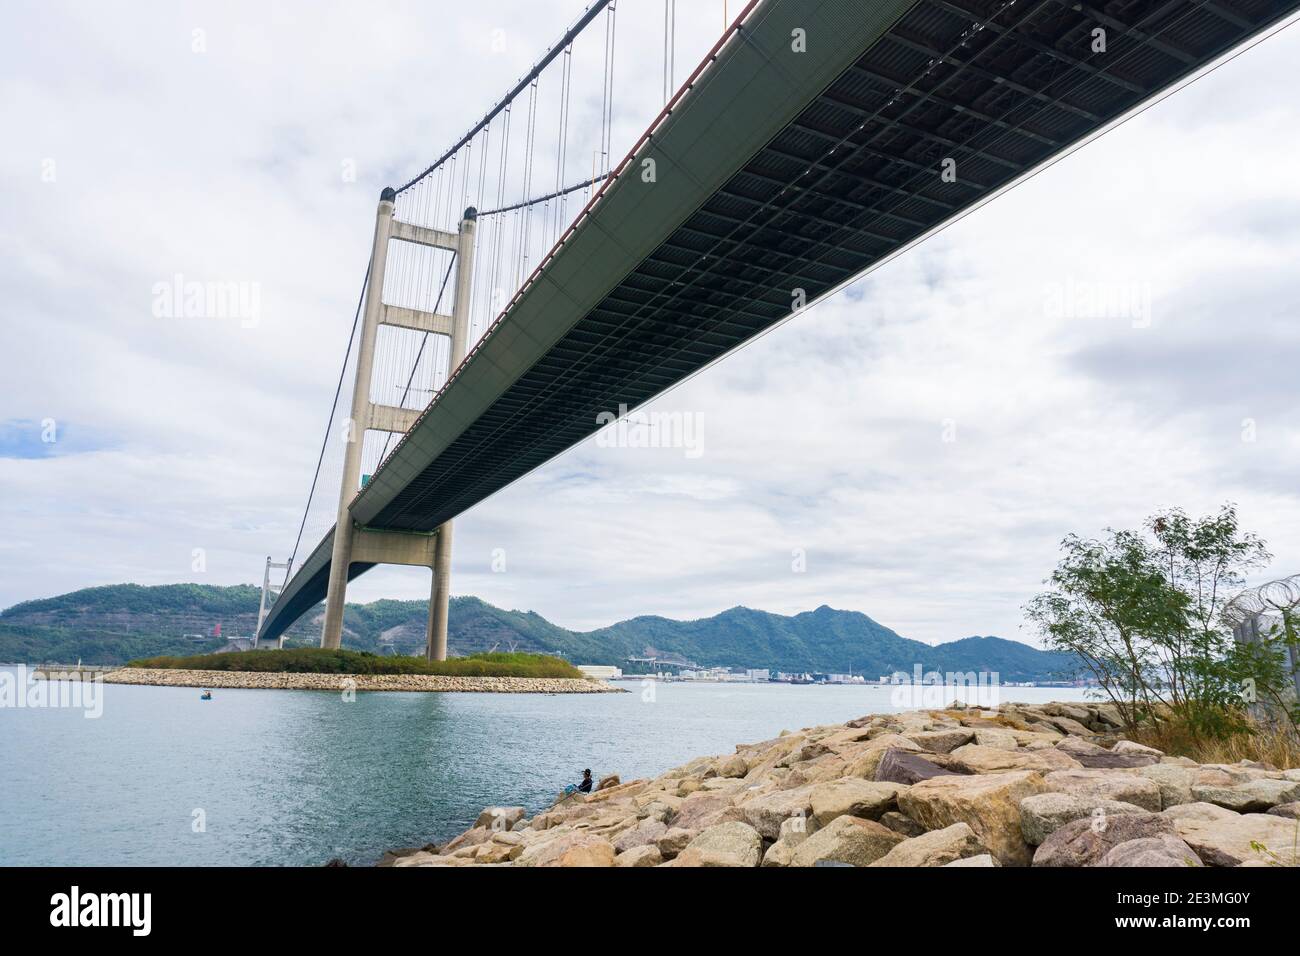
<point>851,175</point>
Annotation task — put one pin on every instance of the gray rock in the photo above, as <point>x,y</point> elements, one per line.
<point>984,859</point>
<point>1078,746</point>
<point>1112,761</point>
<point>936,848</point>
<point>674,841</point>
<point>902,823</point>
<point>899,766</point>
<point>1240,838</point>
<point>1107,785</point>
<point>858,798</point>
<point>1086,842</point>
<point>1001,739</point>
<point>941,741</point>
<point>766,812</point>
<point>1289,810</point>
<point>1199,811</point>
<point>1163,850</point>
<point>639,856</point>
<point>846,840</point>
<point>500,818</point>
<point>645,832</point>
<point>726,844</point>
<point>1175,783</point>
<point>1129,747</point>
<point>1259,794</point>
<point>1043,814</point>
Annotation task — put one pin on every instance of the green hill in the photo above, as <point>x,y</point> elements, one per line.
<point>110,625</point>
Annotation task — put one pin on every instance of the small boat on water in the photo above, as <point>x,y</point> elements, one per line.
<point>206,695</point>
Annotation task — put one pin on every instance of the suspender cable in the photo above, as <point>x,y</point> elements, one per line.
<point>329,426</point>
<point>411,378</point>
<point>579,25</point>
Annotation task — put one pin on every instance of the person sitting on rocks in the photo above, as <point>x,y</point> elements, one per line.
<point>585,786</point>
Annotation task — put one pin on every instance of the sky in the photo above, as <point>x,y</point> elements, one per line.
<point>1117,335</point>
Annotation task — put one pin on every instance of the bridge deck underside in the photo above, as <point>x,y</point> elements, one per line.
<point>846,184</point>
<point>851,180</point>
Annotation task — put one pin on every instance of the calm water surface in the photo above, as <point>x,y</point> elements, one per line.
<point>297,777</point>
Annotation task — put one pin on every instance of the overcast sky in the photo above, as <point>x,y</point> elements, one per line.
<point>1118,335</point>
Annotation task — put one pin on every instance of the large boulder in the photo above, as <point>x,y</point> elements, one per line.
<point>1199,811</point>
<point>1076,712</point>
<point>1080,747</point>
<point>1289,810</point>
<point>1107,785</point>
<point>942,741</point>
<point>779,853</point>
<point>500,818</point>
<point>765,812</point>
<point>849,840</point>
<point>984,859</point>
<point>936,848</point>
<point>1241,838</point>
<point>645,832</point>
<point>674,841</point>
<point>825,767</point>
<point>701,810</point>
<point>1259,794</point>
<point>989,804</point>
<point>577,849</point>
<point>865,762</point>
<point>639,856</point>
<point>899,766</point>
<point>973,758</point>
<point>901,823</point>
<point>1039,739</point>
<point>1092,755</point>
<point>1068,725</point>
<point>1001,739</point>
<point>1044,813</point>
<point>495,852</point>
<point>1129,747</point>
<point>1163,850</point>
<point>1086,842</point>
<point>1106,760</point>
<point>471,837</point>
<point>857,798</point>
<point>733,766</point>
<point>1175,783</point>
<point>726,844</point>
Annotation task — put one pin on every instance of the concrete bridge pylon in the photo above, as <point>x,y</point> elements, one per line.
<point>354,543</point>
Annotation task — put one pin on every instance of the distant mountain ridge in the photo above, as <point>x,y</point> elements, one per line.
<point>115,623</point>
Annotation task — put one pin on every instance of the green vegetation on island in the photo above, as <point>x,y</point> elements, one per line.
<point>315,660</point>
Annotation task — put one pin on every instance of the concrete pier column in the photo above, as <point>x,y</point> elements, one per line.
<point>436,644</point>
<point>332,631</point>
<point>436,635</point>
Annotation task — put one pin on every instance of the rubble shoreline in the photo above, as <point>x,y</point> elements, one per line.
<point>1023,785</point>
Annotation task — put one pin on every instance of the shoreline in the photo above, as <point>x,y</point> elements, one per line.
<point>422,683</point>
<point>1053,785</point>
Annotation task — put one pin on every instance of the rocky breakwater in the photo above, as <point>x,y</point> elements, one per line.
<point>278,680</point>
<point>1023,785</point>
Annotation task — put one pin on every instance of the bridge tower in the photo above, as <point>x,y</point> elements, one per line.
<point>271,591</point>
<point>352,542</point>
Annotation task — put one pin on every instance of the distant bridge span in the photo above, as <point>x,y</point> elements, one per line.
<point>776,169</point>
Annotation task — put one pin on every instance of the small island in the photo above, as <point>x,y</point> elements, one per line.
<point>306,668</point>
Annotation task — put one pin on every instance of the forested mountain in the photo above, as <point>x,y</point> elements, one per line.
<point>119,622</point>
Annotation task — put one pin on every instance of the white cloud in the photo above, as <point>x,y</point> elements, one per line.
<point>827,435</point>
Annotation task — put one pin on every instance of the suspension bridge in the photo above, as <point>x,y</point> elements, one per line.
<point>525,282</point>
